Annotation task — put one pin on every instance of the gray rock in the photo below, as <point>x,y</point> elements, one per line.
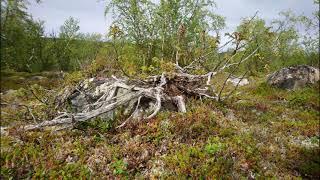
<point>10,92</point>
<point>4,131</point>
<point>79,102</point>
<point>238,81</point>
<point>230,115</point>
<point>90,93</point>
<point>294,77</point>
<point>37,78</point>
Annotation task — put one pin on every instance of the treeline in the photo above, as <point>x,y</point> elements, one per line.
<point>26,47</point>
<point>147,36</point>
<point>184,30</point>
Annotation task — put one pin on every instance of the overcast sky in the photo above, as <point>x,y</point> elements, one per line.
<point>90,13</point>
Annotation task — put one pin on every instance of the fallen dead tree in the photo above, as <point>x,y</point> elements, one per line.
<point>144,98</point>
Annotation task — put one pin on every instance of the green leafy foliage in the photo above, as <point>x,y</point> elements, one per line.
<point>262,132</point>
<point>25,46</point>
<point>160,29</point>
<point>119,167</point>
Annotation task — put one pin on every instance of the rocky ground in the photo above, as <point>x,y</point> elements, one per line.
<point>260,132</point>
<point>16,80</point>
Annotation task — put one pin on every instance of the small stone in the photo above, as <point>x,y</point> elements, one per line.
<point>230,115</point>
<point>238,81</point>
<point>10,92</point>
<point>37,78</point>
<point>4,131</point>
<point>72,159</point>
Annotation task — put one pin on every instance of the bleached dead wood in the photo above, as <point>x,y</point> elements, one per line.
<point>155,88</point>
<point>143,98</point>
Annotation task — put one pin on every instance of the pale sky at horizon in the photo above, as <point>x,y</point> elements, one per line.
<point>90,13</point>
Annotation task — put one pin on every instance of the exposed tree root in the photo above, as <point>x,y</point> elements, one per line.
<point>143,98</point>
<point>149,96</point>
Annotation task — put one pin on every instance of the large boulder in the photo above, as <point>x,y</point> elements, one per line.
<point>294,77</point>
